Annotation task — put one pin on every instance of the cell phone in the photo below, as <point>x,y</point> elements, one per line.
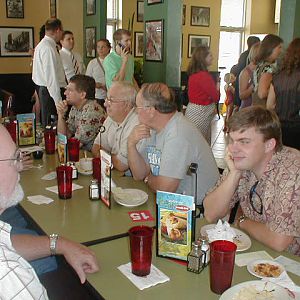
<point>121,46</point>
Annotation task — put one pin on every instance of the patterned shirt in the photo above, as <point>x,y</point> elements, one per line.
<point>279,190</point>
<point>17,278</point>
<point>84,123</point>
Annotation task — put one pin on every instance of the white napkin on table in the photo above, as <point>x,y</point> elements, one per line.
<point>289,264</point>
<point>155,277</point>
<point>49,176</point>
<point>54,188</point>
<point>39,199</point>
<point>222,231</point>
<point>245,258</point>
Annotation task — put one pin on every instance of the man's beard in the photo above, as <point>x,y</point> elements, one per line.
<point>16,196</point>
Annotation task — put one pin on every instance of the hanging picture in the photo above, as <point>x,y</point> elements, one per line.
<point>16,41</point>
<point>200,16</point>
<point>140,11</point>
<point>154,40</point>
<point>15,9</point>
<point>90,7</point>
<point>138,44</point>
<point>90,41</point>
<point>53,8</point>
<point>197,41</point>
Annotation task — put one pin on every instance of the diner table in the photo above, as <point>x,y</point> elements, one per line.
<point>112,284</point>
<point>79,218</point>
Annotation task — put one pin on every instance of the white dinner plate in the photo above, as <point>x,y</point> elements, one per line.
<point>82,171</point>
<point>129,197</point>
<point>242,240</point>
<point>278,292</point>
<point>251,265</point>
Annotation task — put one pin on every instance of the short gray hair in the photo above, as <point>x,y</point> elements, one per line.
<point>128,90</point>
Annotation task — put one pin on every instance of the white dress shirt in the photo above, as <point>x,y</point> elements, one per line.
<point>47,68</point>
<point>66,58</point>
<point>94,70</point>
<point>17,278</point>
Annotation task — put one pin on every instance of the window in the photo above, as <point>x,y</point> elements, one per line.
<point>114,18</point>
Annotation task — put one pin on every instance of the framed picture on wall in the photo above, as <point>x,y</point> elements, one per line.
<point>15,9</point>
<point>154,40</point>
<point>200,16</point>
<point>90,7</point>
<point>16,41</point>
<point>90,42</point>
<point>183,14</point>
<point>138,44</point>
<point>140,11</point>
<point>53,8</point>
<point>149,2</point>
<point>197,41</point>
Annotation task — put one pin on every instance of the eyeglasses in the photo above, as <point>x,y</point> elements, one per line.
<point>16,160</point>
<point>256,202</point>
<point>114,100</point>
<point>142,107</point>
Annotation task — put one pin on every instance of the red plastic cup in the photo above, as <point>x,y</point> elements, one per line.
<point>49,137</point>
<point>97,168</point>
<point>73,149</point>
<point>141,249</point>
<point>64,181</point>
<point>222,254</point>
<point>12,129</point>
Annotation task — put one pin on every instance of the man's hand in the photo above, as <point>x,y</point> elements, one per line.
<point>138,133</point>
<point>230,162</point>
<point>125,55</point>
<point>81,258</point>
<point>61,107</point>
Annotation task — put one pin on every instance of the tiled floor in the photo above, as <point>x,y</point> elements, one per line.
<point>218,142</point>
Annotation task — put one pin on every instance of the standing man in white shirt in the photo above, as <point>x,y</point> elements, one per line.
<point>47,72</point>
<point>72,61</point>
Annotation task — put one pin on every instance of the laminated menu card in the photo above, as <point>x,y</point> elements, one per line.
<point>62,148</point>
<point>26,129</point>
<point>105,185</point>
<point>175,225</point>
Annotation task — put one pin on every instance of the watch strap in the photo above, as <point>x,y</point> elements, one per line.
<point>53,241</point>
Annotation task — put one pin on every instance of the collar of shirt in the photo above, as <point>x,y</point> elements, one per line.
<point>51,40</point>
<point>66,51</point>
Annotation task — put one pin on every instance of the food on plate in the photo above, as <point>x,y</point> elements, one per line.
<point>267,270</point>
<point>252,293</point>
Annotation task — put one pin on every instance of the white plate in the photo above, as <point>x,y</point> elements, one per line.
<point>279,292</point>
<point>82,171</point>
<point>129,197</point>
<point>242,240</point>
<point>252,264</point>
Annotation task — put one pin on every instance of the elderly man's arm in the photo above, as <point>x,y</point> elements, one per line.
<point>263,234</point>
<point>78,256</point>
<point>163,183</point>
<point>62,126</point>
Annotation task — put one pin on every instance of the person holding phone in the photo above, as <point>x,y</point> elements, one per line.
<point>119,64</point>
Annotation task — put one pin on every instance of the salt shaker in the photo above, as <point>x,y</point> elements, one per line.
<point>74,170</point>
<point>204,246</point>
<point>194,259</point>
<point>94,190</point>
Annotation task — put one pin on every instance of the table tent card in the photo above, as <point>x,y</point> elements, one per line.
<point>26,129</point>
<point>105,185</point>
<point>174,224</point>
<point>62,148</point>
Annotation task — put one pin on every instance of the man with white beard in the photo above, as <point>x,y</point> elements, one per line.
<point>17,278</point>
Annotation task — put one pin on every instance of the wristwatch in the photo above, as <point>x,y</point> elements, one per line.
<point>53,241</point>
<point>241,219</point>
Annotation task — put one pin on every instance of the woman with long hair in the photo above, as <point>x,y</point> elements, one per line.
<point>202,90</point>
<point>284,95</point>
<point>269,50</point>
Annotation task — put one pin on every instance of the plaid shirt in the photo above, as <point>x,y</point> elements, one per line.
<point>17,278</point>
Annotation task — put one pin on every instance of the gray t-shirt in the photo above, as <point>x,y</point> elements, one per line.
<point>171,151</point>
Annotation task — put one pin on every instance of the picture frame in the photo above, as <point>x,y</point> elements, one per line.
<point>154,40</point>
<point>90,42</point>
<point>15,9</point>
<point>195,41</point>
<point>138,44</point>
<point>26,129</point>
<point>183,14</point>
<point>105,185</point>
<point>150,2</point>
<point>53,8</point>
<point>200,16</point>
<point>140,11</point>
<point>16,41</point>
<point>90,7</point>
<point>175,225</point>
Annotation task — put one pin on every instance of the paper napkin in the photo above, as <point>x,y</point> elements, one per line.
<point>245,258</point>
<point>289,264</point>
<point>54,188</point>
<point>155,277</point>
<point>39,199</point>
<point>49,176</point>
<point>222,231</point>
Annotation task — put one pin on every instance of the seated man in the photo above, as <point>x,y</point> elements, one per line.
<point>170,144</point>
<point>264,177</point>
<point>121,119</point>
<point>86,115</point>
<point>17,278</point>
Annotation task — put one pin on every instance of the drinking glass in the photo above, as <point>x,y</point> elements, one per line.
<point>97,168</point>
<point>49,137</point>
<point>73,149</point>
<point>64,181</point>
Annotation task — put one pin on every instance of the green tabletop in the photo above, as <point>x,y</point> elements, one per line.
<point>112,284</point>
<point>79,218</point>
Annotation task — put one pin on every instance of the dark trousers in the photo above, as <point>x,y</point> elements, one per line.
<point>290,134</point>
